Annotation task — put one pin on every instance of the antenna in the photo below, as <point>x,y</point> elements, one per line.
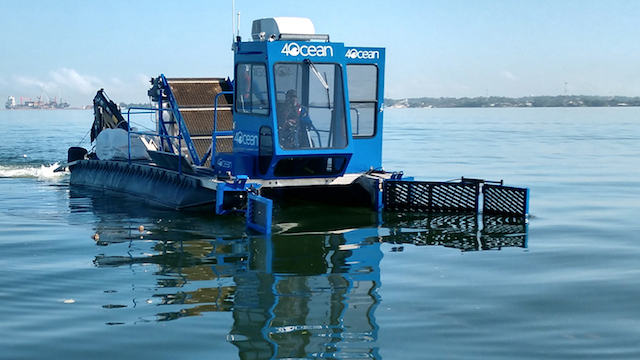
<point>233,25</point>
<point>238,25</point>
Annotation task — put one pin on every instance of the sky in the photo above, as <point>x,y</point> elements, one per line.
<point>435,48</point>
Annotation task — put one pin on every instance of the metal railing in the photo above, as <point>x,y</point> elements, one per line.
<point>183,134</point>
<point>215,133</point>
<point>150,110</point>
<point>182,126</point>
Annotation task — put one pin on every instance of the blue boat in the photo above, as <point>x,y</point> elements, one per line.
<point>301,121</point>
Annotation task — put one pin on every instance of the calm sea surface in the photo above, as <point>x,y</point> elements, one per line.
<point>335,283</point>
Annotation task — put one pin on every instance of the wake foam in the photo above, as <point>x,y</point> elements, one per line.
<point>25,171</point>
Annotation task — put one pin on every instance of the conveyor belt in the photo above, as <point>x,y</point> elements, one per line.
<point>199,92</point>
<point>196,102</point>
<point>200,121</point>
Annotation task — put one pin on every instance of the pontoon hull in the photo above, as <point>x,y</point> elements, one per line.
<point>162,186</point>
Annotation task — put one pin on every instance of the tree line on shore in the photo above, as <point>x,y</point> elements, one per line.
<point>529,101</point>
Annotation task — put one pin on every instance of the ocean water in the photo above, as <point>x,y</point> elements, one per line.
<point>335,283</point>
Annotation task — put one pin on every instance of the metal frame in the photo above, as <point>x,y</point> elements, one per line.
<point>215,133</point>
<point>173,105</point>
<point>462,196</point>
<point>264,208</point>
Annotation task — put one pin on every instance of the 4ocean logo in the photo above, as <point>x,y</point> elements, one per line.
<point>362,54</point>
<point>294,49</point>
<point>250,140</point>
<point>225,164</point>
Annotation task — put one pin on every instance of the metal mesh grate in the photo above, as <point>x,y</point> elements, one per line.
<point>417,196</point>
<point>200,123</point>
<point>421,196</point>
<point>500,199</point>
<point>455,196</point>
<point>259,213</point>
<point>199,92</point>
<point>223,145</point>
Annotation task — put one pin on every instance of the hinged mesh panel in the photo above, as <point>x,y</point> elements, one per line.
<point>259,213</point>
<point>421,196</point>
<point>454,196</point>
<point>505,200</point>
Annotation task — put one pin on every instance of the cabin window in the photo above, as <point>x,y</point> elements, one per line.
<point>310,106</point>
<point>363,99</point>
<point>252,95</point>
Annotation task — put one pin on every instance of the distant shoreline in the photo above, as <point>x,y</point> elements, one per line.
<point>42,109</point>
<point>476,102</point>
<point>529,101</point>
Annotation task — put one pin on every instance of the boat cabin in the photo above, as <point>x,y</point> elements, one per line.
<point>303,106</point>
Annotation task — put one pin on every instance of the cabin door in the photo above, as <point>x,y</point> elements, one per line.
<point>365,75</point>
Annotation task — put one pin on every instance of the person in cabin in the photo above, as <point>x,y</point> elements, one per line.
<point>293,122</point>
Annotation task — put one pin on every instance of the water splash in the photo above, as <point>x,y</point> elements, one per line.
<point>42,172</point>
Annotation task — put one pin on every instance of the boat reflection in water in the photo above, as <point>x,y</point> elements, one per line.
<point>309,290</point>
